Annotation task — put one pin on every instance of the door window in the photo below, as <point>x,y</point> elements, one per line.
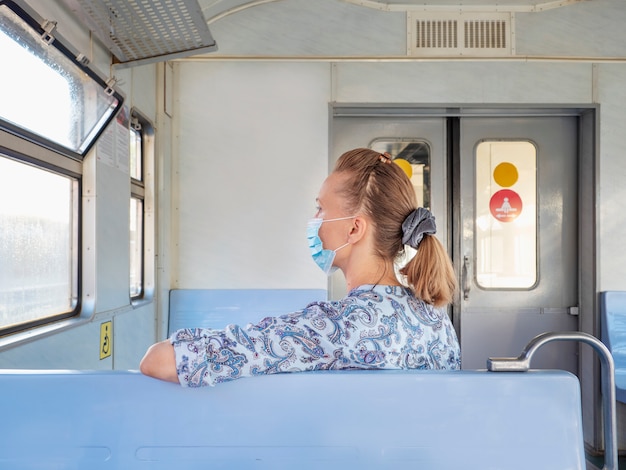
<point>417,154</point>
<point>506,215</point>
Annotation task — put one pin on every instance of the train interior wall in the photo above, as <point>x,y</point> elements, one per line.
<point>242,146</point>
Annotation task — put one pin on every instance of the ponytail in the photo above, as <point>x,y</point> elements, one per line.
<point>430,273</point>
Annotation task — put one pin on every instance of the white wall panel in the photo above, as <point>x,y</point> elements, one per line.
<point>252,153</point>
<point>133,333</point>
<point>463,82</point>
<point>143,80</point>
<point>112,238</point>
<point>612,177</point>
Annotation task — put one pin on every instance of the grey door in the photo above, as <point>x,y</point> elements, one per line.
<point>518,237</point>
<point>509,216</point>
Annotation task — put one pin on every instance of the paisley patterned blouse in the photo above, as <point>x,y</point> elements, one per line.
<point>374,327</point>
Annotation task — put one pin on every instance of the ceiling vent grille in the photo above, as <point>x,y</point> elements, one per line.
<point>436,33</point>
<point>460,34</point>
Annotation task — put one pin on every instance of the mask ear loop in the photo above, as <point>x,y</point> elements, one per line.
<point>342,246</point>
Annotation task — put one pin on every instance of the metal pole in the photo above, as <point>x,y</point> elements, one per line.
<point>522,364</point>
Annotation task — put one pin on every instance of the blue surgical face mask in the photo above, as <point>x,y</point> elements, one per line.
<point>323,258</point>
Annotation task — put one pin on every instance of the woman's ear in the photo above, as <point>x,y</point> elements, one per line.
<point>357,229</point>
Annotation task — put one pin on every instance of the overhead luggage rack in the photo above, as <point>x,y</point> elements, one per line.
<point>145,32</point>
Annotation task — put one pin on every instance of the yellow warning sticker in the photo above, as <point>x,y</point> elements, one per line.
<point>106,339</point>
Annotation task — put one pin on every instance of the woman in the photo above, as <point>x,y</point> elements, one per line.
<point>367,212</point>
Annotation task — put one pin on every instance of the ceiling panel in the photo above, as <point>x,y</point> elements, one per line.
<point>216,9</point>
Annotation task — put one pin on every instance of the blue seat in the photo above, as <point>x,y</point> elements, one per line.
<point>613,324</point>
<point>362,420</point>
<point>216,308</point>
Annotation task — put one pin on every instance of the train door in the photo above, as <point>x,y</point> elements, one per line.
<point>517,229</point>
<point>503,190</point>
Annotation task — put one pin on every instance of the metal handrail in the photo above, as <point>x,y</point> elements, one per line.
<point>522,364</point>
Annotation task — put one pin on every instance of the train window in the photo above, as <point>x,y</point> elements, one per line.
<point>136,160</point>
<point>53,106</point>
<point>506,221</point>
<point>136,209</point>
<point>50,96</point>
<point>413,155</point>
<point>141,233</point>
<point>136,247</point>
<point>39,245</point>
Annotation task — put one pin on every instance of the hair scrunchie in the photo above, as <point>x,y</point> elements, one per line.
<point>418,223</point>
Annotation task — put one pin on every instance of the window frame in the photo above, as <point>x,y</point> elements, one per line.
<point>73,172</point>
<point>143,190</point>
<point>59,43</point>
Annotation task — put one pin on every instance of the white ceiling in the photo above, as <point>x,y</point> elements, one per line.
<point>311,28</point>
<point>215,9</point>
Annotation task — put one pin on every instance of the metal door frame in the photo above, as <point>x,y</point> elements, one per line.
<point>588,115</point>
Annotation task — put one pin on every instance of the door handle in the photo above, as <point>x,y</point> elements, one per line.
<point>466,281</point>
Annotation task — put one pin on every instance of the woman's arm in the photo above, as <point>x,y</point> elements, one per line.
<point>160,362</point>
<point>310,339</point>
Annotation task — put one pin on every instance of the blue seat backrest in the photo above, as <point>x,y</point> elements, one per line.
<point>216,308</point>
<point>613,325</point>
<point>362,420</point>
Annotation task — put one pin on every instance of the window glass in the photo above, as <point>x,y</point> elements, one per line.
<point>506,220</point>
<point>136,247</point>
<point>136,160</point>
<point>47,94</point>
<point>416,153</point>
<point>38,246</point>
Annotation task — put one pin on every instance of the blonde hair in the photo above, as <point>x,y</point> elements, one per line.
<point>383,192</point>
